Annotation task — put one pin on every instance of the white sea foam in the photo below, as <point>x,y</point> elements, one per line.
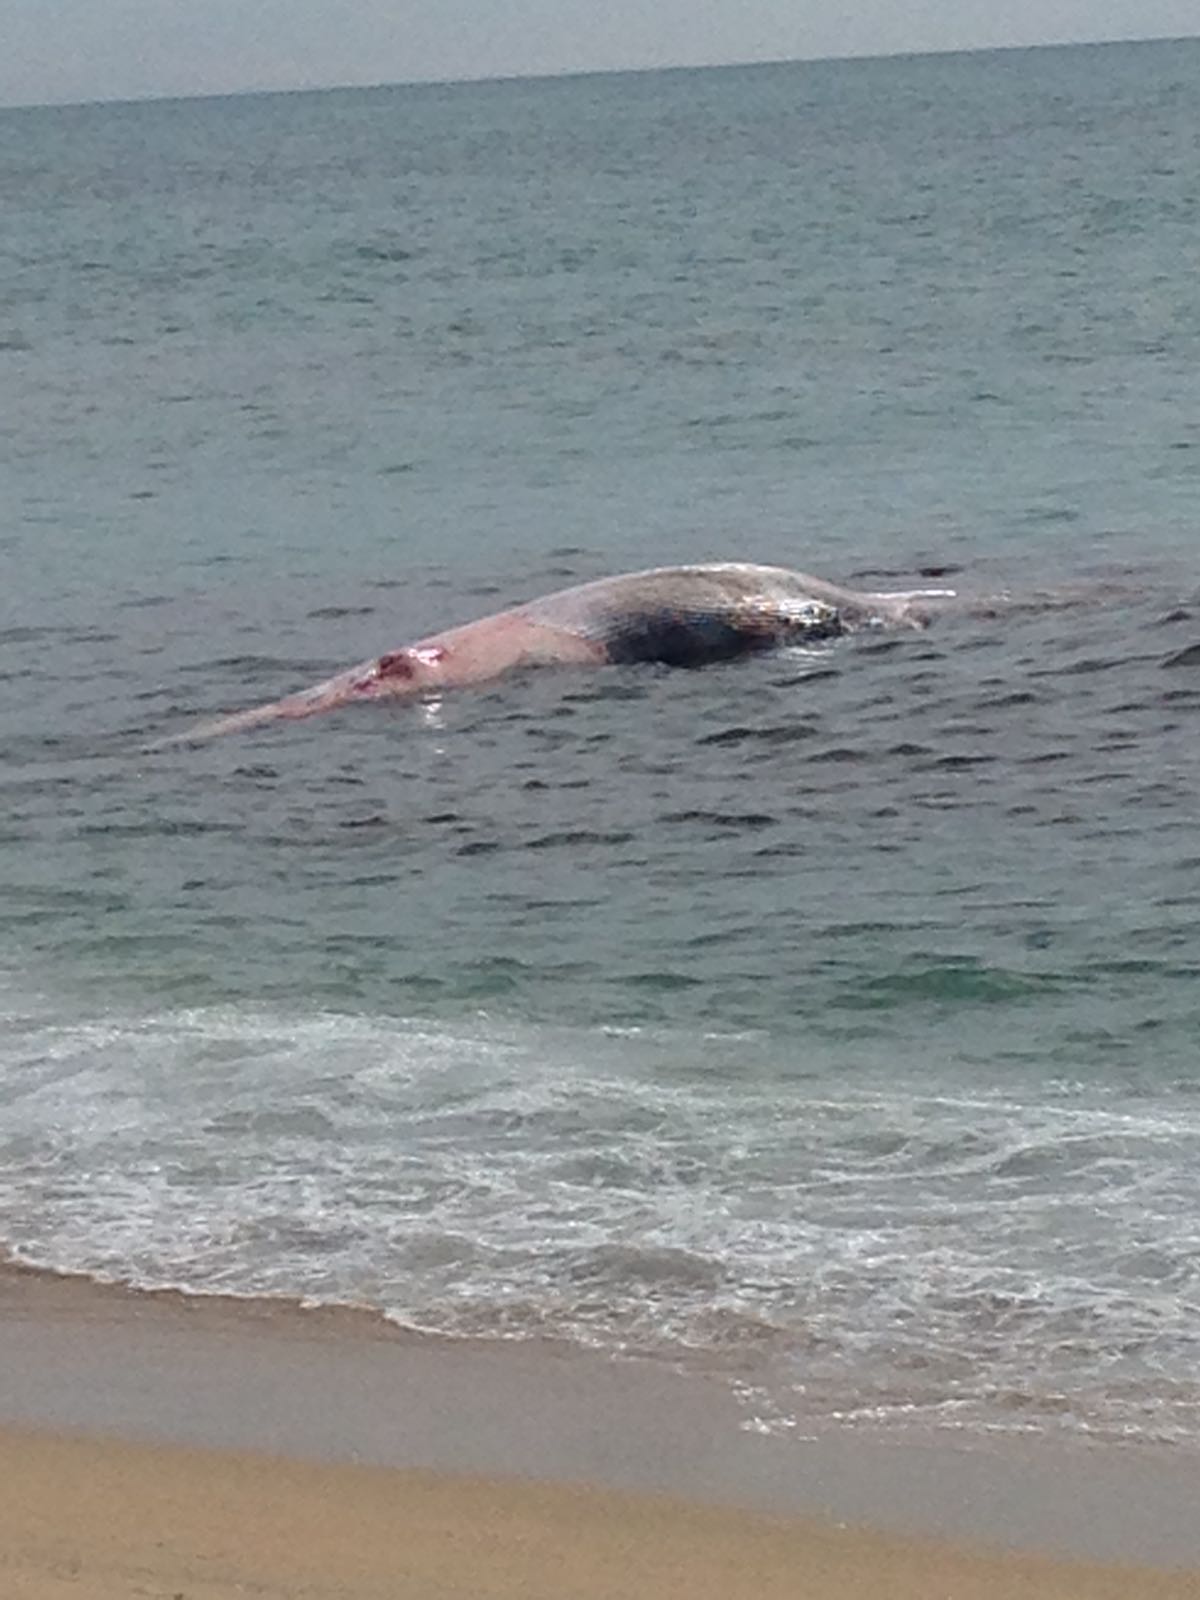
<point>884,1252</point>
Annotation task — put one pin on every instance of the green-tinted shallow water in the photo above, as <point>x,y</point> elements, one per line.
<point>834,1015</point>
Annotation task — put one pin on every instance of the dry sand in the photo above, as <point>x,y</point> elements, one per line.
<point>83,1519</point>
<point>171,1449</point>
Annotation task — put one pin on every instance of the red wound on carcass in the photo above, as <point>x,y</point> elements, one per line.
<point>398,664</point>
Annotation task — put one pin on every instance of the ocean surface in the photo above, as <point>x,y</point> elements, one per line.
<point>830,1021</point>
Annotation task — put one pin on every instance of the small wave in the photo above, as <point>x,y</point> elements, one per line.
<point>994,1260</point>
<point>777,734</point>
<point>951,983</point>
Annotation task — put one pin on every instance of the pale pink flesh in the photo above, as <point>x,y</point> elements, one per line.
<point>471,654</point>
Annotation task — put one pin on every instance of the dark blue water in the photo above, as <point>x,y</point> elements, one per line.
<point>830,1018</point>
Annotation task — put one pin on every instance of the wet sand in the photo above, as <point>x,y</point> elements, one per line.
<point>155,1445</point>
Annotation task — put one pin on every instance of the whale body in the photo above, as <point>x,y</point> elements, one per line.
<point>680,616</point>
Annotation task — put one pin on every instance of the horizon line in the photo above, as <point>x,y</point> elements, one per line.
<point>261,91</point>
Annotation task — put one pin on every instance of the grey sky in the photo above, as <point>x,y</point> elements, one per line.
<point>55,50</point>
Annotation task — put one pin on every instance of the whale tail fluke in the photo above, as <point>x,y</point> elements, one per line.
<point>914,608</point>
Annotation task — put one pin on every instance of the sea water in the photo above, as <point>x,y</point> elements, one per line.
<point>830,1020</point>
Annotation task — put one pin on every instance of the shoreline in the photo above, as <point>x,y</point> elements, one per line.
<point>98,1367</point>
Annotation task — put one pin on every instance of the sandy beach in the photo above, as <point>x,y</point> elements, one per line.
<point>155,1445</point>
<point>102,1520</point>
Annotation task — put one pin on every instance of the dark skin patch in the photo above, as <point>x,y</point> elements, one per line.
<point>699,639</point>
